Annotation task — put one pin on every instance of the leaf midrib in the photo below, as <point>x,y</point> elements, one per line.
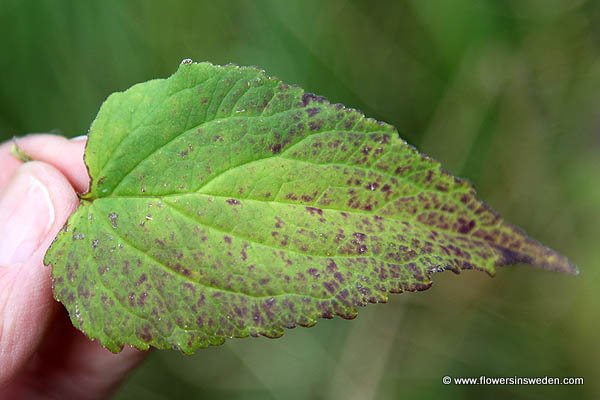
<point>416,223</point>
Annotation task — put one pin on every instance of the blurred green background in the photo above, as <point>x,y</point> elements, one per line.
<point>504,93</point>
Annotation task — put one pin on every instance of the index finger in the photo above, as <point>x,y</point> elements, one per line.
<point>64,154</point>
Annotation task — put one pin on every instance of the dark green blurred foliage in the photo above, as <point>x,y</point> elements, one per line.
<point>504,93</point>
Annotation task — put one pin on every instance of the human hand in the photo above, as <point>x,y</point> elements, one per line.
<point>41,354</point>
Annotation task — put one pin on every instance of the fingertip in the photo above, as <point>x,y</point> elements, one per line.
<point>64,154</point>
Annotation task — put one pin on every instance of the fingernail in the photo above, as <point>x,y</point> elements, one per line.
<point>77,138</point>
<point>26,216</point>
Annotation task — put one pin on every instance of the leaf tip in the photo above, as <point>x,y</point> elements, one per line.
<point>536,254</point>
<point>558,263</point>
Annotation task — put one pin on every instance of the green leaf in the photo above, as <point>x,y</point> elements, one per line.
<point>225,203</point>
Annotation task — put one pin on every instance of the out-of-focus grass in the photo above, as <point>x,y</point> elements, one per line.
<point>506,94</point>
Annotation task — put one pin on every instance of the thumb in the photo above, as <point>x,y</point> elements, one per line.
<point>33,207</point>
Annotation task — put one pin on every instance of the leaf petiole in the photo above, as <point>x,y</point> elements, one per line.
<point>18,153</point>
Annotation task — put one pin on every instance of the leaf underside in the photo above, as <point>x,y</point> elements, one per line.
<point>225,203</point>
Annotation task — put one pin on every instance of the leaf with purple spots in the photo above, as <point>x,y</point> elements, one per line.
<point>225,203</point>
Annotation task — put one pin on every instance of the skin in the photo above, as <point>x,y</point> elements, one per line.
<point>41,354</point>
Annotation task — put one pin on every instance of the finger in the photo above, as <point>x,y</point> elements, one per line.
<point>33,207</point>
<point>64,154</point>
<point>70,366</point>
<point>101,370</point>
<point>97,370</point>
